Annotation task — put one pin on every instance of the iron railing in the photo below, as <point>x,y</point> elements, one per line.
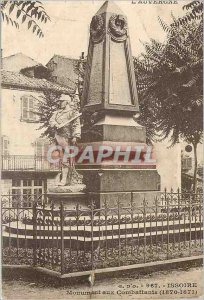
<point>70,240</point>
<point>26,162</point>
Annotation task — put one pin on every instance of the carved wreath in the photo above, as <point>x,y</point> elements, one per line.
<point>97,28</point>
<point>118,27</point>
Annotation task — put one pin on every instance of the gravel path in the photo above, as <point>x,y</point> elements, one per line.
<point>189,286</point>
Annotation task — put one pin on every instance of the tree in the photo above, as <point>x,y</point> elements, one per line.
<point>194,11</point>
<point>32,12</point>
<point>80,67</point>
<point>169,77</point>
<point>46,106</point>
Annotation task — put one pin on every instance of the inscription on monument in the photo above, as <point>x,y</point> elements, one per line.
<point>119,84</point>
<point>95,90</point>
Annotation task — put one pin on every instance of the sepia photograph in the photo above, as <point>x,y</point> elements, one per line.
<point>101,149</point>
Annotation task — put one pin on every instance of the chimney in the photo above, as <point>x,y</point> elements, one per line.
<point>82,55</point>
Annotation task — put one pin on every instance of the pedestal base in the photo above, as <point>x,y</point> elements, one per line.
<point>111,185</point>
<point>125,198</point>
<point>69,200</point>
<point>121,180</point>
<point>115,128</point>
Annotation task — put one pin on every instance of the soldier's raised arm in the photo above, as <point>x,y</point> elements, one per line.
<point>52,120</point>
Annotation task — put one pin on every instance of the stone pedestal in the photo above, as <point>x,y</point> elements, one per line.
<point>111,180</point>
<point>114,127</point>
<point>70,194</point>
<point>126,198</point>
<point>118,180</point>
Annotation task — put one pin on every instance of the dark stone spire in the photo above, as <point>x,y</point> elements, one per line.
<point>110,80</point>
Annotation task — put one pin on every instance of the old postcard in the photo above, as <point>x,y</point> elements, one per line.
<point>101,149</point>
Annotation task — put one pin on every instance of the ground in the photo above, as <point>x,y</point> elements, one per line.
<point>167,284</point>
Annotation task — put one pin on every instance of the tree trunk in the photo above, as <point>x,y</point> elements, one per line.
<point>195,168</point>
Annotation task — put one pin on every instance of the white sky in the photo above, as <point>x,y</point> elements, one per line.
<point>68,35</point>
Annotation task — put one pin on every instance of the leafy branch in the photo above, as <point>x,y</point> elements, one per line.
<point>32,12</point>
<point>169,80</point>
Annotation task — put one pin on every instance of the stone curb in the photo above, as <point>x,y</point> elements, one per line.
<point>185,262</point>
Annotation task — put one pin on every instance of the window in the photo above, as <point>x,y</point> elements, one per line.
<point>5,145</point>
<point>38,182</point>
<point>27,182</point>
<point>27,197</point>
<point>28,108</point>
<point>16,197</point>
<point>189,162</point>
<point>41,147</point>
<point>186,163</point>
<point>25,191</point>
<point>16,183</point>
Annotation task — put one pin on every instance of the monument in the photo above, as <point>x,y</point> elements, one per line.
<point>109,104</point>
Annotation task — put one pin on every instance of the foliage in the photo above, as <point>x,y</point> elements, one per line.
<point>194,11</point>
<point>169,77</point>
<point>170,85</point>
<point>47,105</point>
<point>32,12</point>
<point>80,70</point>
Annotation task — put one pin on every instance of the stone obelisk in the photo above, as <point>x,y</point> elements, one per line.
<point>109,103</point>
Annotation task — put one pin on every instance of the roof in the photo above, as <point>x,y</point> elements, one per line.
<point>19,81</point>
<point>34,67</point>
<point>64,57</point>
<point>18,61</point>
<point>65,70</point>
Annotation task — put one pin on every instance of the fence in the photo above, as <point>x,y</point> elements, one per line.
<point>66,240</point>
<point>26,162</point>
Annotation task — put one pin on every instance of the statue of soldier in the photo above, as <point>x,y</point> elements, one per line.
<point>66,122</point>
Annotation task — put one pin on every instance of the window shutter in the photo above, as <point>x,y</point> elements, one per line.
<point>31,108</point>
<point>5,145</point>
<point>28,108</point>
<point>24,101</point>
<point>38,147</point>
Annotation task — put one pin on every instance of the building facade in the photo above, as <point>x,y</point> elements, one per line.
<point>25,168</point>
